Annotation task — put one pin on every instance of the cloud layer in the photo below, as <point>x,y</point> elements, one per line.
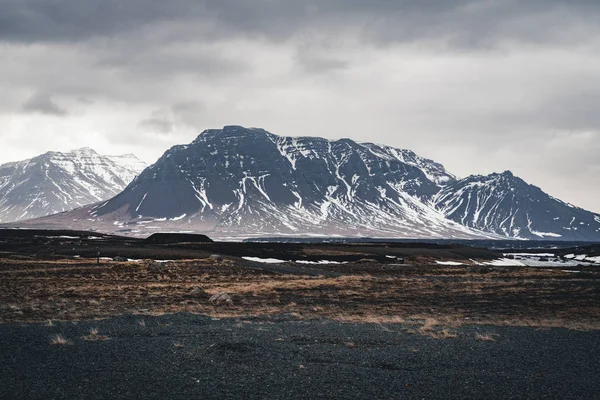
<point>480,86</point>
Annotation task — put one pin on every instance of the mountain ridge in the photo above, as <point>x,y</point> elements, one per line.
<point>240,181</point>
<point>59,181</point>
<point>505,204</point>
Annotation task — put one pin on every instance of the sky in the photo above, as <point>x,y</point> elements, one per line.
<point>479,86</point>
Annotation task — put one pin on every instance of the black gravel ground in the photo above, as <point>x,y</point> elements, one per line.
<point>186,356</point>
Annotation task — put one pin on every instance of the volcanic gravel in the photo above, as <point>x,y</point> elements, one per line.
<point>184,356</point>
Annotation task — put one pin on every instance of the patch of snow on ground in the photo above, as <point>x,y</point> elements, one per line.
<point>449,262</point>
<point>530,254</point>
<point>264,260</point>
<point>505,262</point>
<point>534,260</point>
<point>319,262</point>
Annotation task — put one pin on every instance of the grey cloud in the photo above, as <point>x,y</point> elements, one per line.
<point>44,104</point>
<point>158,122</point>
<point>189,113</point>
<point>188,107</point>
<point>147,56</point>
<point>319,56</point>
<point>576,111</point>
<point>460,24</point>
<point>321,63</point>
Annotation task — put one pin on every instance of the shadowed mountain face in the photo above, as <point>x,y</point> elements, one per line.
<point>249,181</point>
<point>55,182</point>
<point>506,205</point>
<point>239,182</point>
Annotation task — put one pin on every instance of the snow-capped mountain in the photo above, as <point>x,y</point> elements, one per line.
<point>506,205</point>
<point>237,181</point>
<point>130,165</point>
<point>55,182</point>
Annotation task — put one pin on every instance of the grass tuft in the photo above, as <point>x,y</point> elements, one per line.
<point>485,337</point>
<point>95,335</point>
<point>59,340</point>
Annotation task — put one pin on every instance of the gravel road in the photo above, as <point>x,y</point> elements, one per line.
<point>185,356</point>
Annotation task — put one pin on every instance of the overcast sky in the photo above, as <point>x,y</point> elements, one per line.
<point>480,86</point>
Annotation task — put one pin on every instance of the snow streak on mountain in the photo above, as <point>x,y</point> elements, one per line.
<point>506,205</point>
<point>55,182</point>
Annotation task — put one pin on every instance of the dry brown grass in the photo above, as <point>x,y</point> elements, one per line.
<point>443,334</point>
<point>429,325</point>
<point>39,291</point>
<point>486,337</point>
<point>94,335</point>
<point>59,340</point>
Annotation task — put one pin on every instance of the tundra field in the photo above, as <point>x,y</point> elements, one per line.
<point>80,293</point>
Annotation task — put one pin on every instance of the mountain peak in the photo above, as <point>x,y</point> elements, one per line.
<point>250,181</point>
<point>505,204</point>
<point>84,151</point>
<point>60,181</point>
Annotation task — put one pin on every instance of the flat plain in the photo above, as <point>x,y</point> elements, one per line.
<point>170,319</point>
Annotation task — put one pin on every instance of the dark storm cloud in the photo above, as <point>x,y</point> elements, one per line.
<point>448,79</point>
<point>462,23</point>
<point>143,59</point>
<point>44,104</point>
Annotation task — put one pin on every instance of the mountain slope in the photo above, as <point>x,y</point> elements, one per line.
<point>237,181</point>
<point>506,205</point>
<point>55,182</point>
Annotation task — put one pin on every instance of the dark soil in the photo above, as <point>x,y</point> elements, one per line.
<point>184,356</point>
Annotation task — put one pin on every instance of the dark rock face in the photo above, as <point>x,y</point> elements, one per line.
<point>506,205</point>
<point>167,238</point>
<point>55,182</point>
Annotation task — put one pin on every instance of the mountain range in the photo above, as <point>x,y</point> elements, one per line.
<point>54,182</point>
<point>238,181</point>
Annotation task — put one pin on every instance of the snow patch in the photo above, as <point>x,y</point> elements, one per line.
<point>448,262</point>
<point>505,262</point>
<point>264,260</point>
<point>322,262</point>
<point>178,218</point>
